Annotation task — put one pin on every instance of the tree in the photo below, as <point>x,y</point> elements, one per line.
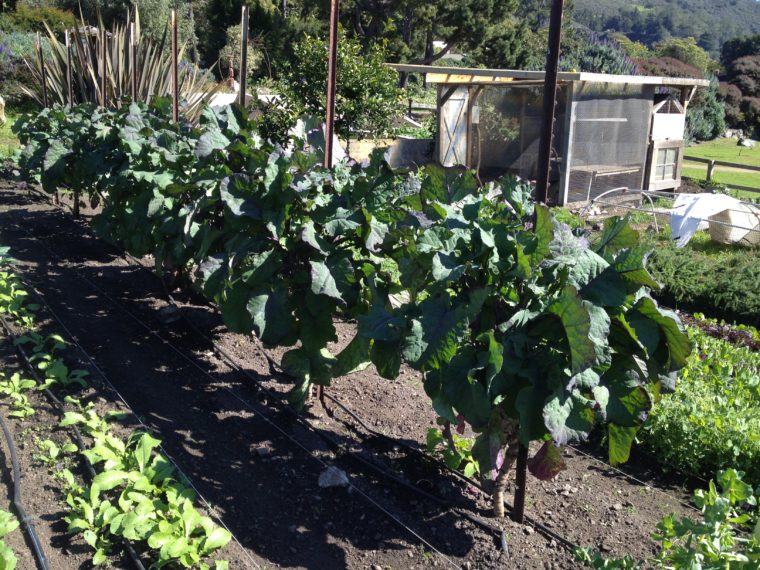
<point>739,47</point>
<point>368,96</point>
<point>472,27</point>
<point>706,116</point>
<point>687,51</point>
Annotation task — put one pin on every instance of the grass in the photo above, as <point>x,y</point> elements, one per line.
<point>726,150</point>
<point>725,177</point>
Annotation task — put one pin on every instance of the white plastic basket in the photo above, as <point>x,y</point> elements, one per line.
<point>737,225</point>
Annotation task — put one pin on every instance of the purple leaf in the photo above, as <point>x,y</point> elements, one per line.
<point>547,463</point>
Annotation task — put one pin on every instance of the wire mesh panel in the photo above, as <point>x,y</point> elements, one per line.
<point>609,138</point>
<point>506,129</point>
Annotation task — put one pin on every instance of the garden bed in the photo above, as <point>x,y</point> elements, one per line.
<point>263,483</point>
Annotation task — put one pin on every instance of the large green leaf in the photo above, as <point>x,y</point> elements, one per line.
<point>434,337</point>
<point>323,281</point>
<point>617,234</point>
<point>236,194</point>
<point>568,417</point>
<point>271,316</point>
<point>576,322</point>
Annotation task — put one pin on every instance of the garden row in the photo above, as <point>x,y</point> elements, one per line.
<point>524,331</point>
<point>134,495</point>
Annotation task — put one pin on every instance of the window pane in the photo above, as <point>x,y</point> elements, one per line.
<point>669,172</point>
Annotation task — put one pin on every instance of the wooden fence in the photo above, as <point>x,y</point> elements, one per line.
<point>711,164</point>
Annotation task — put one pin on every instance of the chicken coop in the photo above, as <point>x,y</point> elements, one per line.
<point>610,131</point>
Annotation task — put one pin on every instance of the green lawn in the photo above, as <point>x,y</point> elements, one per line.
<point>697,171</point>
<point>726,150</point>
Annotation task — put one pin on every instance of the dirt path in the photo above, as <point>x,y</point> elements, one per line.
<point>259,465</point>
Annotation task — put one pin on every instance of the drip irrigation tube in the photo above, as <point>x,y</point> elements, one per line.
<point>26,521</point>
<point>78,441</point>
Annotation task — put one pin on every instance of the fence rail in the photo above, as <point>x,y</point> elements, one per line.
<point>711,164</point>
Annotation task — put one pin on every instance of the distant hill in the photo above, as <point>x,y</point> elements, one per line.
<point>711,22</point>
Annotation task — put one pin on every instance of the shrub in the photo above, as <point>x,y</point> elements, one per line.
<point>718,281</point>
<point>706,117</point>
<point>368,95</point>
<point>33,19</point>
<point>14,73</point>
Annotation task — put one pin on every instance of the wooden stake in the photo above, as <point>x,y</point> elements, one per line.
<point>550,101</point>
<point>175,69</point>
<point>521,482</point>
<point>69,77</point>
<point>43,71</point>
<point>243,55</point>
<point>133,60</point>
<point>332,71</point>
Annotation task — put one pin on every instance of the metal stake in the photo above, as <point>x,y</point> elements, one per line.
<point>550,101</point>
<point>175,72</point>
<point>243,54</point>
<point>521,481</point>
<point>43,71</point>
<point>133,60</point>
<point>69,79</point>
<point>332,71</point>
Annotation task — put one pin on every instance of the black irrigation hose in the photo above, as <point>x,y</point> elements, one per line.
<point>78,440</point>
<point>26,521</point>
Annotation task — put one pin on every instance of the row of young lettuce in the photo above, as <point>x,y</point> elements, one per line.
<point>133,493</point>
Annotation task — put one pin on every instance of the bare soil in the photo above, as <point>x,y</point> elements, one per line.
<point>258,464</point>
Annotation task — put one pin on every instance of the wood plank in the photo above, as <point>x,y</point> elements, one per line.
<point>460,78</point>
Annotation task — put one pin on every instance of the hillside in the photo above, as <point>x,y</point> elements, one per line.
<point>711,22</point>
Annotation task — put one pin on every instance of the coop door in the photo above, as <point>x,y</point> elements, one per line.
<point>452,149</point>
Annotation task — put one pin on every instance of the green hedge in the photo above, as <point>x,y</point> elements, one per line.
<point>704,277</point>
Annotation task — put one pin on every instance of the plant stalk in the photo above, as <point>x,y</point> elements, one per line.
<point>500,485</point>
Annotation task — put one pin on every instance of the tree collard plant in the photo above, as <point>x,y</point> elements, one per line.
<point>153,64</point>
<point>525,331</point>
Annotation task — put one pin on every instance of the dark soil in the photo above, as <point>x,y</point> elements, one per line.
<point>258,464</point>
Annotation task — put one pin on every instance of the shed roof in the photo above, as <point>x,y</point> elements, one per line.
<point>472,75</point>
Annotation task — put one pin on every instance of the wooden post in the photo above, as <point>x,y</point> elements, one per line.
<point>43,71</point>
<point>133,61</point>
<point>521,481</point>
<point>175,69</point>
<point>332,71</point>
<point>550,101</point>
<point>69,76</point>
<point>710,169</point>
<point>103,67</point>
<point>243,55</point>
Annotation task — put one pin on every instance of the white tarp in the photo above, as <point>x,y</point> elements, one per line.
<point>691,211</point>
<point>729,219</point>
